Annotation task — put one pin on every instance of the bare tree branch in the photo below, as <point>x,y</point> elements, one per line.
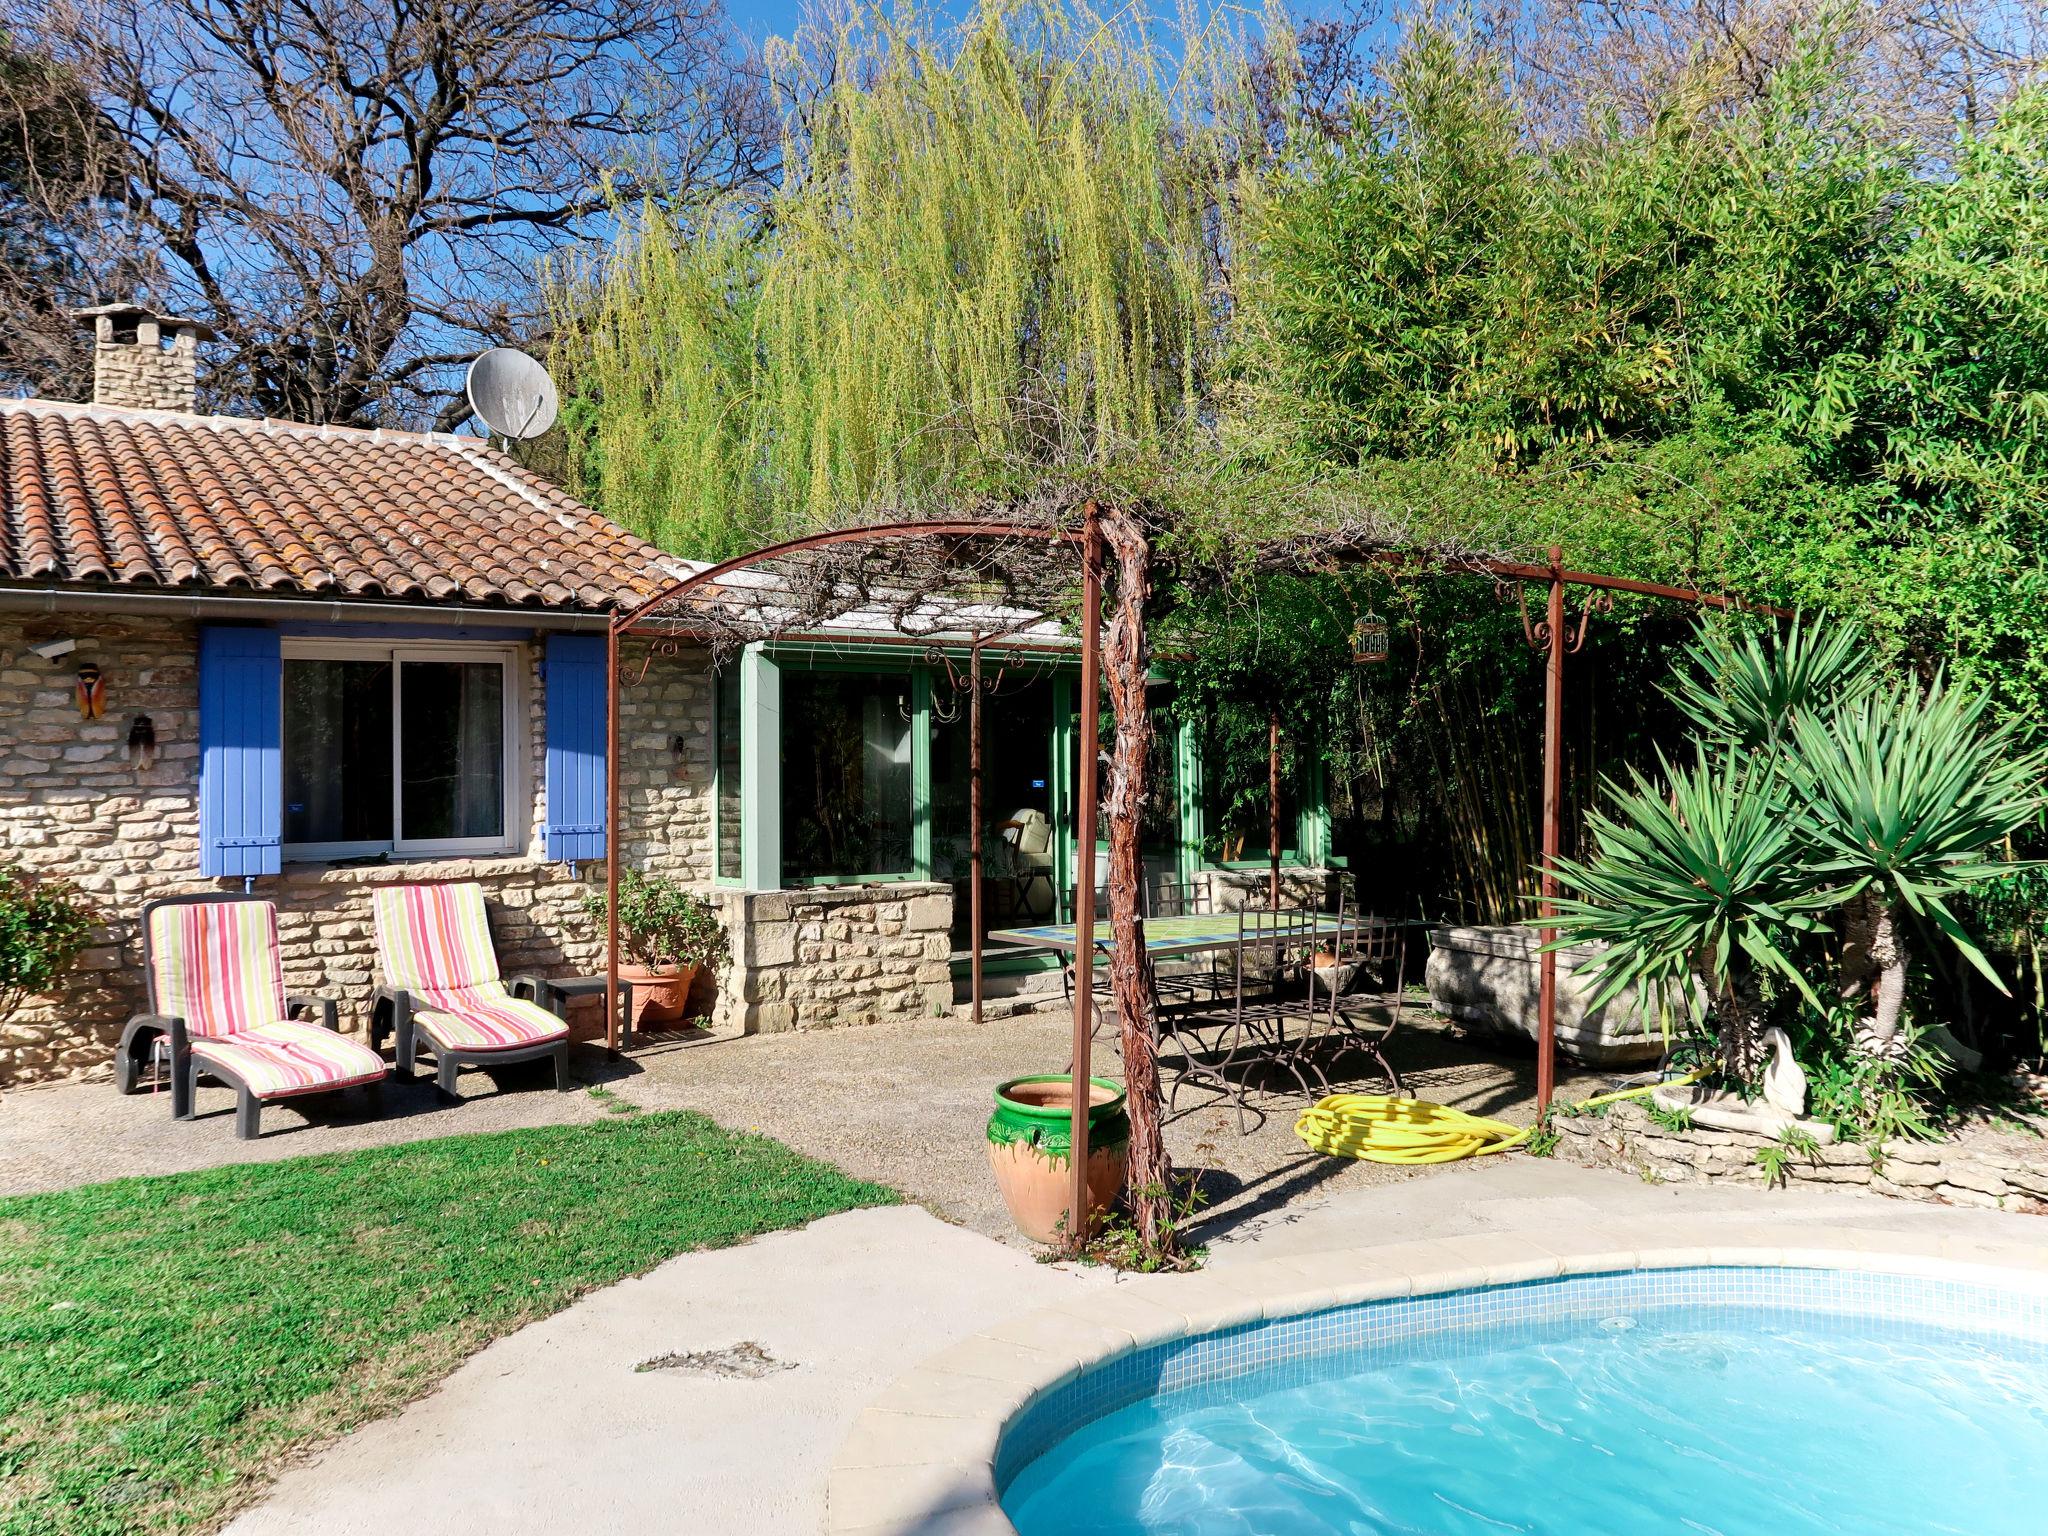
<point>356,196</point>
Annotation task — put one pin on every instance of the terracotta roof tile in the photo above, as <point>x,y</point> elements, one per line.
<point>95,496</point>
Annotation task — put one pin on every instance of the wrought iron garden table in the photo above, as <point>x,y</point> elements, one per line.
<point>1282,950</point>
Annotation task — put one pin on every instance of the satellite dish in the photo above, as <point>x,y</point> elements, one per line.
<point>511,393</point>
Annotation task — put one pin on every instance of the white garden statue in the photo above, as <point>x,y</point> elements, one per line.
<point>1782,1106</point>
<point>1784,1079</point>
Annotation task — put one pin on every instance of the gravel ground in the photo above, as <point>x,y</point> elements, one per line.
<point>900,1103</point>
<point>905,1105</point>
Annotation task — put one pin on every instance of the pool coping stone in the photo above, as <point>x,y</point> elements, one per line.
<point>921,1461</point>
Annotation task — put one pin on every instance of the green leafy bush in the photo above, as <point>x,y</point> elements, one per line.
<point>1868,1098</point>
<point>44,923</point>
<point>660,923</point>
<point>1695,880</point>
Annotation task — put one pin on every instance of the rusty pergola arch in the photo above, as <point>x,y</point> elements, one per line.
<point>1554,636</point>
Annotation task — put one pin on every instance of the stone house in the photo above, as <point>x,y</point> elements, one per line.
<point>322,659</point>
<point>319,659</point>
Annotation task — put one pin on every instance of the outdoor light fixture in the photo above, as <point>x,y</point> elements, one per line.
<point>1369,640</point>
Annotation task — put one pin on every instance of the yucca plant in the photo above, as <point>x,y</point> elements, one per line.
<point>1742,693</point>
<point>1696,880</point>
<point>1903,796</point>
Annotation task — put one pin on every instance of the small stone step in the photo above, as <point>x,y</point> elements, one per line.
<point>1011,1007</point>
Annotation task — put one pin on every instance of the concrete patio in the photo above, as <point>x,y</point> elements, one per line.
<point>904,1104</point>
<point>552,1428</point>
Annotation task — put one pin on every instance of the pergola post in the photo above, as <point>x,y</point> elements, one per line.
<point>974,816</point>
<point>1273,807</point>
<point>1553,818</point>
<point>611,835</point>
<point>1084,871</point>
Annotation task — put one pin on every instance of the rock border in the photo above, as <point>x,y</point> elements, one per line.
<point>920,1461</point>
<point>1997,1172</point>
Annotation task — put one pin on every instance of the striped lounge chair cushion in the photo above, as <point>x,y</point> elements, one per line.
<point>434,938</point>
<point>283,1058</point>
<point>484,1018</point>
<point>434,941</point>
<point>215,965</point>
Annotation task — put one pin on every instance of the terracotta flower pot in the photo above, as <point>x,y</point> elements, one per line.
<point>661,993</point>
<point>1029,1147</point>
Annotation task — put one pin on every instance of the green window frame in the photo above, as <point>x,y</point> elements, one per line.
<point>1310,847</point>
<point>759,677</point>
<point>728,776</point>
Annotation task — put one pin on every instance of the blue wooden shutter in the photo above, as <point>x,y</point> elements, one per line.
<point>576,731</point>
<point>241,751</point>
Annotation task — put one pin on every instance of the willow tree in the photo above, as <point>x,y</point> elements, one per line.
<point>996,256</point>
<point>994,269</point>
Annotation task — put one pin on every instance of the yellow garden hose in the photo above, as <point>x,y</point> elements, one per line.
<point>1389,1130</point>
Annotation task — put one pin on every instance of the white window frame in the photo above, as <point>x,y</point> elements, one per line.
<point>512,659</point>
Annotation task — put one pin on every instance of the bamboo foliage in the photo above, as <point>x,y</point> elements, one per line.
<point>990,257</point>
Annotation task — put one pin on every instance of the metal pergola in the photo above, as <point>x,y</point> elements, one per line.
<point>710,604</point>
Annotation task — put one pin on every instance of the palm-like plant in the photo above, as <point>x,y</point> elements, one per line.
<point>1902,796</point>
<point>1695,882</point>
<point>1744,694</point>
<point>1814,788</point>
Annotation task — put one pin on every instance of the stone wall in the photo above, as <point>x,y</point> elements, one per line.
<point>1983,1166</point>
<point>72,803</point>
<point>1228,890</point>
<point>839,955</point>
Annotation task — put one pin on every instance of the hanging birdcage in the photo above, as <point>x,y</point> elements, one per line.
<point>1368,639</point>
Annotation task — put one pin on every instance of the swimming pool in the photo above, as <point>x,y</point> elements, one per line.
<point>1724,1401</point>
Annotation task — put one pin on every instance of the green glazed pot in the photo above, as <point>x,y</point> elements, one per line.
<point>1030,1147</point>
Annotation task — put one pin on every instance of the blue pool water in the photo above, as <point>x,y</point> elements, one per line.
<point>1596,1415</point>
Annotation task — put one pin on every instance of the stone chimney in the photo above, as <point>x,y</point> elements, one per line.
<point>142,360</point>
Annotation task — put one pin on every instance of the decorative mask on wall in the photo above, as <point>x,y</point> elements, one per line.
<point>92,692</point>
<point>142,741</point>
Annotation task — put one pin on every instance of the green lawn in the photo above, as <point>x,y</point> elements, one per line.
<point>163,1341</point>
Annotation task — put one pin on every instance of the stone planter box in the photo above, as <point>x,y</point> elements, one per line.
<point>1488,979</point>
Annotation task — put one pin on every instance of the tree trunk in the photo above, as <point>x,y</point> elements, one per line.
<point>1859,935</point>
<point>1126,657</point>
<point>1874,970</point>
<point>1888,951</point>
<point>1737,1006</point>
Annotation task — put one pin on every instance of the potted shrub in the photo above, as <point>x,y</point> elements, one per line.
<point>1030,1147</point>
<point>668,936</point>
<point>44,923</point>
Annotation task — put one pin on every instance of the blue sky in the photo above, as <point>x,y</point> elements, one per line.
<point>762,19</point>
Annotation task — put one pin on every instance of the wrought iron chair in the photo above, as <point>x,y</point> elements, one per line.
<point>1196,978</point>
<point>1358,978</point>
<point>1218,1047</point>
